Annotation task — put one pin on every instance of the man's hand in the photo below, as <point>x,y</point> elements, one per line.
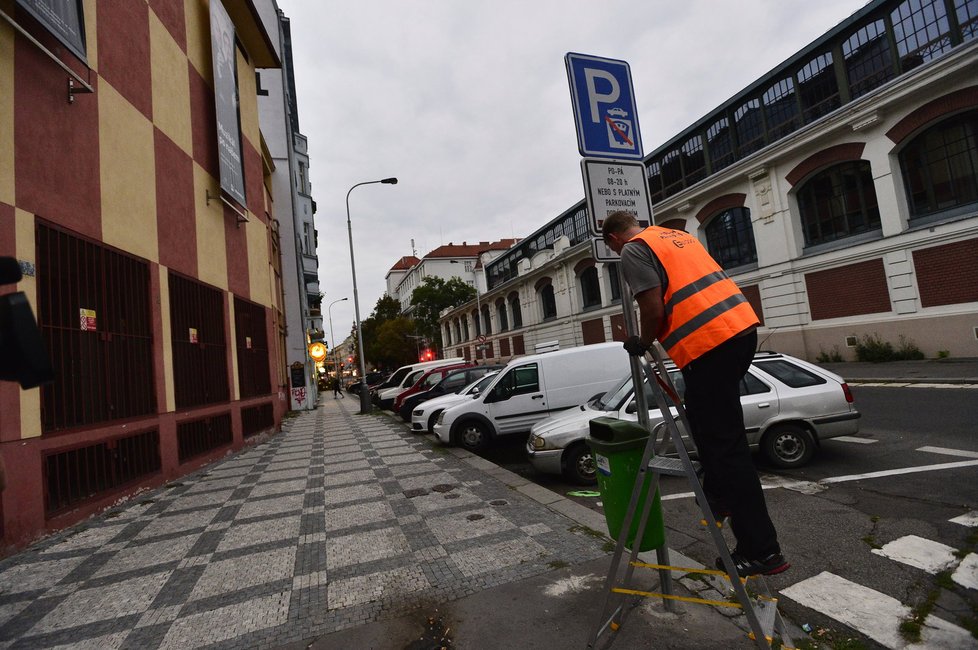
<point>634,346</point>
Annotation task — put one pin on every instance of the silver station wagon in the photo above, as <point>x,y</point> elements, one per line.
<point>789,405</point>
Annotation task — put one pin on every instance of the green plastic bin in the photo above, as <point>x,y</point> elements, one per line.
<point>618,447</point>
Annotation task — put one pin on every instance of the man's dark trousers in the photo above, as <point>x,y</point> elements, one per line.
<point>717,420</point>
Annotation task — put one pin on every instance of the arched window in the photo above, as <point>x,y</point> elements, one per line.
<point>477,322</point>
<point>448,334</point>
<point>458,332</point>
<point>501,315</point>
<point>465,328</point>
<point>730,238</point>
<point>838,202</point>
<point>940,166</point>
<point>590,288</point>
<point>486,320</point>
<point>514,306</point>
<point>548,302</point>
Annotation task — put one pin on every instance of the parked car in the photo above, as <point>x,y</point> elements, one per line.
<point>789,406</point>
<point>529,389</point>
<point>402,379</point>
<point>429,377</point>
<point>439,382</point>
<point>374,378</point>
<point>424,415</point>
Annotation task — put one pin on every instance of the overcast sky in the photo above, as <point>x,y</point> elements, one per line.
<point>466,102</point>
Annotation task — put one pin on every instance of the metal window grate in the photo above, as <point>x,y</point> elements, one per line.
<point>76,475</point>
<point>201,436</point>
<point>200,373</point>
<point>256,419</point>
<point>252,347</point>
<point>94,313</point>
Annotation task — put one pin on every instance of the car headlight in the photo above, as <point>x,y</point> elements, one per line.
<point>417,412</point>
<point>537,443</point>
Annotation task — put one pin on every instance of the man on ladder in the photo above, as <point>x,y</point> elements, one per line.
<point>707,326</point>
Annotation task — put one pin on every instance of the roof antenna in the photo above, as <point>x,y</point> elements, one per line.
<point>773,330</point>
<point>414,253</point>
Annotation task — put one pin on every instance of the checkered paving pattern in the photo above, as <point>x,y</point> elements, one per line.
<point>340,520</point>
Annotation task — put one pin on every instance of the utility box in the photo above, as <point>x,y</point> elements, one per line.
<point>618,447</point>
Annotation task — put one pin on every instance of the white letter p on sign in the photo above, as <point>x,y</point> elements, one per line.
<point>594,97</point>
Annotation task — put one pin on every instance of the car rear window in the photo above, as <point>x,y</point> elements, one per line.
<point>789,374</point>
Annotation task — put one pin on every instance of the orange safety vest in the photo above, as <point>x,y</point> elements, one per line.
<point>703,307</point>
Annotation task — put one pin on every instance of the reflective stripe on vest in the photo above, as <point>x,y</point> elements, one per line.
<point>702,306</point>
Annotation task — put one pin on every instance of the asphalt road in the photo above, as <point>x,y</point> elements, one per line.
<point>831,516</point>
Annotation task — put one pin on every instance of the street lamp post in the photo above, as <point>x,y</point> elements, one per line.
<point>332,339</point>
<point>364,394</point>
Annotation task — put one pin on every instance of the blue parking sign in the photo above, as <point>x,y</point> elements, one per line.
<point>604,107</point>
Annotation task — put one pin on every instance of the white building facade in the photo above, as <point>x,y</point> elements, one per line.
<point>840,192</point>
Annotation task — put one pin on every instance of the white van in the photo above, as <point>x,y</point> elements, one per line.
<point>404,377</point>
<point>529,389</point>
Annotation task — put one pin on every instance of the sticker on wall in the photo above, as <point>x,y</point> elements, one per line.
<point>248,342</point>
<point>193,335</point>
<point>86,319</point>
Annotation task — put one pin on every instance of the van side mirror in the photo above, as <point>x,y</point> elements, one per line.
<point>475,391</point>
<point>632,407</point>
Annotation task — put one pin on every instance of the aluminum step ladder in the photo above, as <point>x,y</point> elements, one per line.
<point>761,609</point>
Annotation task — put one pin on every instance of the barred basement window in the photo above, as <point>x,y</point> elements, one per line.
<point>201,436</point>
<point>77,475</point>
<point>256,419</point>
<point>93,310</point>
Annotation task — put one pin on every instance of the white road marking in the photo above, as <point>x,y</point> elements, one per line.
<point>909,384</point>
<point>872,613</point>
<point>926,554</point>
<point>949,452</point>
<point>861,441</point>
<point>966,574</point>
<point>897,472</point>
<point>770,482</point>
<point>967,519</point>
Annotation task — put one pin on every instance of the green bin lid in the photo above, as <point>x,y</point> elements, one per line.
<point>613,430</point>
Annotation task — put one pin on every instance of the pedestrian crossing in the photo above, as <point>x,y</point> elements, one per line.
<point>878,615</point>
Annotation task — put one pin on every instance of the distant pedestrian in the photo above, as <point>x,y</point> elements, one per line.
<point>338,388</point>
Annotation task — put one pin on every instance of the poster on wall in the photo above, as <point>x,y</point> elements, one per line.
<point>226,103</point>
<point>64,19</point>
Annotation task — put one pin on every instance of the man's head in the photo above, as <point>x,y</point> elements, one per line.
<point>618,228</point>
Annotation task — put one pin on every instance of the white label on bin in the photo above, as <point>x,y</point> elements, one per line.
<point>603,465</point>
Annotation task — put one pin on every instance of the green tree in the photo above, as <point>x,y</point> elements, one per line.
<point>393,347</point>
<point>386,310</point>
<point>433,296</point>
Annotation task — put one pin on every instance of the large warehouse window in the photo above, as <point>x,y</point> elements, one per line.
<point>730,238</point>
<point>940,166</point>
<point>869,61</point>
<point>818,88</point>
<point>921,30</point>
<point>838,202</point>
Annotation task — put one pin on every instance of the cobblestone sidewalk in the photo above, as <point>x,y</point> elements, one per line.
<point>339,520</point>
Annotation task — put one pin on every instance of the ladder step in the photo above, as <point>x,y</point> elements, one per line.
<point>671,466</point>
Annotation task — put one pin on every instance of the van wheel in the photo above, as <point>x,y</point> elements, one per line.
<point>788,446</point>
<point>432,420</point>
<point>578,465</point>
<point>473,435</point>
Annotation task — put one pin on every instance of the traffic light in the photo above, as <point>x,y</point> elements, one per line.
<point>426,355</point>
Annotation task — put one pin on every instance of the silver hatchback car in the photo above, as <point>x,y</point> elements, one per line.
<point>789,405</point>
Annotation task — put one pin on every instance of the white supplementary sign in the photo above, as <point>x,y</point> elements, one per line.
<point>613,185</point>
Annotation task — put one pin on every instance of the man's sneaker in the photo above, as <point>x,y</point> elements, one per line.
<point>768,566</point>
